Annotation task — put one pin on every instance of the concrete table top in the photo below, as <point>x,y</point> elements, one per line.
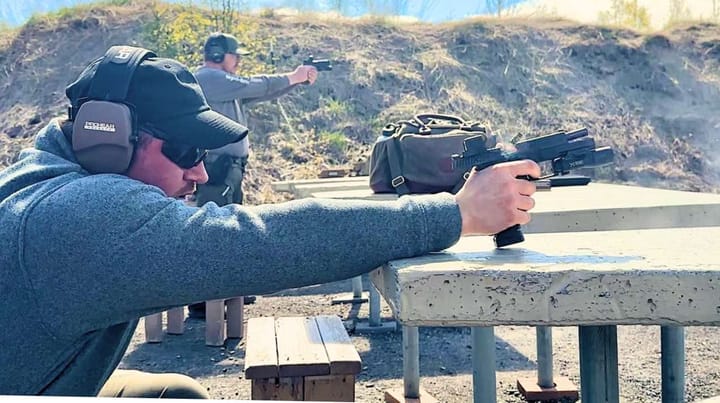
<point>657,276</point>
<point>595,207</point>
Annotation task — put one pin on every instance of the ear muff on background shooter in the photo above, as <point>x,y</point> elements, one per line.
<point>105,132</point>
<point>216,47</point>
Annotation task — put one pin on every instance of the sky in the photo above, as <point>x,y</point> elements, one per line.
<point>16,12</point>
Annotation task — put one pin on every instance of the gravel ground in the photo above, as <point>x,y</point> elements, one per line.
<point>445,361</point>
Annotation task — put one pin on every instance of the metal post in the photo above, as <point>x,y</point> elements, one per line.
<point>544,356</point>
<point>411,362</point>
<point>672,359</point>
<point>599,364</point>
<point>357,287</point>
<point>483,360</point>
<point>374,319</point>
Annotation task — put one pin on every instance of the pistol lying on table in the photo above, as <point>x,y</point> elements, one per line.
<point>564,150</point>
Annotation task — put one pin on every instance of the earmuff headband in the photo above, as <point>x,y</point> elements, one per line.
<point>114,74</point>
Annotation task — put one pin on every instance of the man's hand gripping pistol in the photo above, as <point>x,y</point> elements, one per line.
<point>564,150</point>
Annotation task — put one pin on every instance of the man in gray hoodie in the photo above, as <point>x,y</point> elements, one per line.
<point>86,253</point>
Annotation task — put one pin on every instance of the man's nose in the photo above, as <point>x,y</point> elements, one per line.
<point>197,174</point>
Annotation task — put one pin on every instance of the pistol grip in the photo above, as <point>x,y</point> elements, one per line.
<point>508,236</point>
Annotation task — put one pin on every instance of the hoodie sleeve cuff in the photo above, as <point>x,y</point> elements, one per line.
<point>443,222</point>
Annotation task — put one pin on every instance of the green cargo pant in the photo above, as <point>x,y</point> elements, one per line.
<point>131,383</point>
<point>226,190</point>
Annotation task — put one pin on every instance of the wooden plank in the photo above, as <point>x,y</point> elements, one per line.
<point>305,190</point>
<point>153,328</point>
<point>363,194</point>
<point>344,358</point>
<point>235,317</point>
<point>330,388</point>
<point>261,360</point>
<point>288,389</point>
<point>397,396</point>
<point>176,320</point>
<point>300,347</point>
<point>289,186</point>
<point>215,331</point>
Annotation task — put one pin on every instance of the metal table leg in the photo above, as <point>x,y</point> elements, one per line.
<point>544,356</point>
<point>411,361</point>
<point>483,359</point>
<point>374,324</point>
<point>374,318</point>
<point>599,364</point>
<point>357,288</point>
<point>357,294</point>
<point>546,386</point>
<point>672,347</point>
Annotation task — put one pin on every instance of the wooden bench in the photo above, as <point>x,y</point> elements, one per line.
<point>300,359</point>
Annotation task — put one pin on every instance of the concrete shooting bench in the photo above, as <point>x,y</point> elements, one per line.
<point>595,256</point>
<point>301,359</point>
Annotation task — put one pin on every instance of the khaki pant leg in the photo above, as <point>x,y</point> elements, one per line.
<point>131,383</point>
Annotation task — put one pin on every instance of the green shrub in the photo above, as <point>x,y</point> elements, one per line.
<point>335,142</point>
<point>179,32</point>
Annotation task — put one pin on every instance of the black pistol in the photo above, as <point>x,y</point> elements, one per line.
<point>565,151</point>
<point>320,64</point>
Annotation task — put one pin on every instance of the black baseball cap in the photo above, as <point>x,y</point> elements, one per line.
<point>165,96</point>
<point>225,42</point>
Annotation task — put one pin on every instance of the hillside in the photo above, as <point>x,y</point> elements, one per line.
<point>656,98</point>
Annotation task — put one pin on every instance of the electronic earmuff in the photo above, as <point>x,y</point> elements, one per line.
<point>216,49</point>
<point>104,130</point>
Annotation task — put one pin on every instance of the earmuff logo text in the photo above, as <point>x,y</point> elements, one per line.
<point>99,126</point>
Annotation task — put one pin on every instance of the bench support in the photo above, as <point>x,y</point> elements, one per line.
<point>599,364</point>
<point>672,348</point>
<point>546,387</point>
<point>483,359</point>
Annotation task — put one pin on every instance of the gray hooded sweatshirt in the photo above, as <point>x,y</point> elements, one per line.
<point>228,94</point>
<point>84,256</point>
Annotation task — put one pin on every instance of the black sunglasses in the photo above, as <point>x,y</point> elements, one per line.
<point>182,155</point>
<point>186,157</point>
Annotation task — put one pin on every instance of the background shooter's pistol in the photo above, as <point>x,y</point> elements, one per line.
<point>565,151</point>
<point>320,64</point>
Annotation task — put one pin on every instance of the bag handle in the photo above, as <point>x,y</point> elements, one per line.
<point>420,124</point>
<point>425,127</point>
<point>424,118</point>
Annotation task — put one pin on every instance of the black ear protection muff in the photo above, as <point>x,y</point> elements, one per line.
<point>104,130</point>
<point>216,49</point>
